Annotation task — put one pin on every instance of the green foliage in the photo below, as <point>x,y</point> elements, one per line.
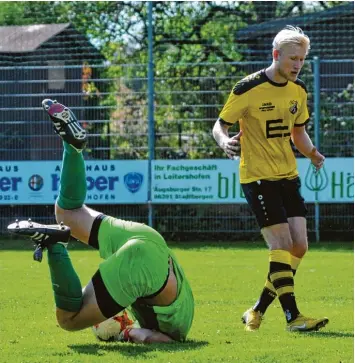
<point>30,12</point>
<point>337,122</point>
<point>190,39</point>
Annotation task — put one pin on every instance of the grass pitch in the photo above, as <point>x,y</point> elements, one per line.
<point>226,280</point>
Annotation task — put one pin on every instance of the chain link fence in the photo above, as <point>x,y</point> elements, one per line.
<point>103,77</point>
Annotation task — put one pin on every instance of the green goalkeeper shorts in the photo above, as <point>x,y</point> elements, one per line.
<point>136,266</point>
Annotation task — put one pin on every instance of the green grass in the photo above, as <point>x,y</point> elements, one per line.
<point>226,280</point>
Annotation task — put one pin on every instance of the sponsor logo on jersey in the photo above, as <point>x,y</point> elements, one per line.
<point>266,106</point>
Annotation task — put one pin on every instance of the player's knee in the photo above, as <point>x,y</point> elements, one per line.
<point>66,322</point>
<point>299,249</point>
<point>64,325</point>
<point>279,244</point>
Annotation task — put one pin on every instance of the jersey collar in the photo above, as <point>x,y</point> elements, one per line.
<point>272,82</point>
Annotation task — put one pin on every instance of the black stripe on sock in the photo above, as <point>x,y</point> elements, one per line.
<point>105,301</point>
<point>289,306</point>
<point>270,293</point>
<point>283,281</point>
<point>266,298</point>
<point>278,266</point>
<point>94,233</point>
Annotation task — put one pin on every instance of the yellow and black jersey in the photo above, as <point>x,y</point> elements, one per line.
<point>267,112</point>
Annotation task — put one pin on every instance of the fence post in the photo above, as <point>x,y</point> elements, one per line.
<point>316,106</point>
<point>151,134</point>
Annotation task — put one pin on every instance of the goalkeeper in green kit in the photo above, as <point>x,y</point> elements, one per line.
<point>139,270</point>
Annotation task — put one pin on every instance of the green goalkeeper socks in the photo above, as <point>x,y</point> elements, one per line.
<point>72,179</point>
<point>65,282</point>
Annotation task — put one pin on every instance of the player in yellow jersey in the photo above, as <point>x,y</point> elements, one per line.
<point>271,107</point>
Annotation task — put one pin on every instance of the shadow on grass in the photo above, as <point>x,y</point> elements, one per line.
<point>136,350</point>
<point>328,334</point>
<point>13,243</point>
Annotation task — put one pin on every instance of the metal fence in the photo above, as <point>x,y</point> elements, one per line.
<point>184,114</point>
<point>117,122</point>
<point>111,99</point>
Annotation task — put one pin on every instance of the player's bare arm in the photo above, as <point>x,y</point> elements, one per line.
<point>305,146</point>
<point>147,336</point>
<point>230,145</point>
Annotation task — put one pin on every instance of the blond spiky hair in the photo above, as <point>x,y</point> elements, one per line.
<point>291,35</point>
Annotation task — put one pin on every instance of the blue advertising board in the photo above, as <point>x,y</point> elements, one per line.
<point>173,181</point>
<point>38,182</point>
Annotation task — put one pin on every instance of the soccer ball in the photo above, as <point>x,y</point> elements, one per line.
<point>111,329</point>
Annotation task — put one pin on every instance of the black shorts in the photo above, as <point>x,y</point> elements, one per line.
<point>273,202</point>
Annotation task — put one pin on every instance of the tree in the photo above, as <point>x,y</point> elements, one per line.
<point>195,51</point>
<point>30,12</point>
